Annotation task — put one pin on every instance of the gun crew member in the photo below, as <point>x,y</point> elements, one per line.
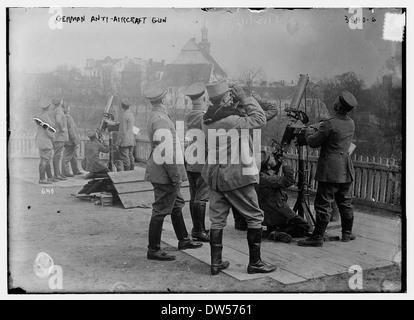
<point>44,142</point>
<point>232,183</point>
<point>166,177</point>
<point>126,139</point>
<point>69,153</point>
<point>281,221</point>
<point>60,123</point>
<point>335,171</point>
<point>270,110</point>
<point>91,162</point>
<point>199,189</point>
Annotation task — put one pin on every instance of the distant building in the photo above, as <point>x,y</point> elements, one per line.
<point>123,75</point>
<point>193,64</point>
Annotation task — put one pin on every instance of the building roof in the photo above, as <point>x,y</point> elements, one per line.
<point>192,53</point>
<point>183,75</point>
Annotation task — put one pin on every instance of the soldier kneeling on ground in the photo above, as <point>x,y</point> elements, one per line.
<point>91,163</point>
<point>281,221</point>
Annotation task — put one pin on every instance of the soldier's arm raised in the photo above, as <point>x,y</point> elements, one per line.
<point>316,139</point>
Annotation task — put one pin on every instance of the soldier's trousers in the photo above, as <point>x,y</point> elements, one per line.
<point>45,156</point>
<point>199,189</point>
<point>126,154</point>
<point>57,155</point>
<point>167,197</point>
<point>245,201</point>
<point>69,156</point>
<point>327,193</point>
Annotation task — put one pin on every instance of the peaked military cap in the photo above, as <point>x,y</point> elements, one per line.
<point>156,91</point>
<point>196,90</point>
<point>125,102</point>
<point>347,101</point>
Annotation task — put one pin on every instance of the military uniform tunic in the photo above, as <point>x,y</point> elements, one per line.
<point>335,171</point>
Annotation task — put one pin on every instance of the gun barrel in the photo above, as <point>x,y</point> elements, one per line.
<point>297,97</point>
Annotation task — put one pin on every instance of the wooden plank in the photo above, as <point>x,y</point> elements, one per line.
<point>379,235</point>
<point>391,220</point>
<point>130,187</point>
<point>136,199</point>
<point>284,255</point>
<point>370,182</point>
<point>238,260</point>
<point>383,187</point>
<point>377,186</point>
<point>127,176</point>
<point>364,184</point>
<point>390,187</point>
<point>367,246</point>
<point>131,200</point>
<point>397,193</point>
<point>355,257</point>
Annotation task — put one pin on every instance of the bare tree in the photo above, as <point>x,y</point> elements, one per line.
<point>250,75</point>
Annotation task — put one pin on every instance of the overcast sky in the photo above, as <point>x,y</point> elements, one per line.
<point>285,43</point>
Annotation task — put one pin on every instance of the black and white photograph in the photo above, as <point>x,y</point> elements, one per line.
<point>206,151</point>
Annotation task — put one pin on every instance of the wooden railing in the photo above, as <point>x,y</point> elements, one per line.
<point>23,146</point>
<point>377,180</point>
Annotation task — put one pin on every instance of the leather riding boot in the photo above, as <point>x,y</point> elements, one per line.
<point>216,248</point>
<point>154,242</point>
<point>347,230</point>
<point>239,221</point>
<point>316,239</point>
<point>131,166</point>
<point>49,173</point>
<point>199,232</point>
<point>256,265</point>
<point>42,174</point>
<point>181,231</point>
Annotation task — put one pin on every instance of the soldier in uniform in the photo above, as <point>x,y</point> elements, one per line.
<point>126,139</point>
<point>69,153</point>
<point>166,176</point>
<point>60,123</point>
<point>281,221</point>
<point>335,171</point>
<point>44,142</point>
<point>91,162</point>
<point>270,110</point>
<point>199,189</point>
<point>232,182</point>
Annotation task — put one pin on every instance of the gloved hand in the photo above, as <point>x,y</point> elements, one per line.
<point>238,93</point>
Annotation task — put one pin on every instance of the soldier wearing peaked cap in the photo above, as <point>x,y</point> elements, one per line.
<point>44,142</point>
<point>126,139</point>
<point>335,171</point>
<point>232,182</point>
<point>69,152</point>
<point>60,123</point>
<point>199,189</point>
<point>166,175</point>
